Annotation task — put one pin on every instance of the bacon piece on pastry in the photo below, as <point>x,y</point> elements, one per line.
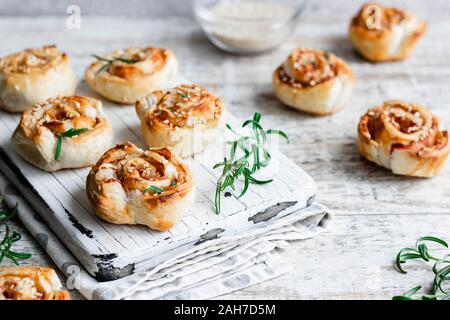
<point>34,75</point>
<point>313,81</point>
<point>403,137</point>
<point>382,33</point>
<point>186,118</point>
<point>30,283</point>
<point>125,76</point>
<point>152,187</point>
<point>62,133</point>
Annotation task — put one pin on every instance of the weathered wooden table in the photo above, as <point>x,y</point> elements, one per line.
<point>377,213</point>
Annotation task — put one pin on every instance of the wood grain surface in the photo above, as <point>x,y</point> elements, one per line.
<point>377,213</point>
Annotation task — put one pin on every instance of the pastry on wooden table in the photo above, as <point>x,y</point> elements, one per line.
<point>62,133</point>
<point>403,137</point>
<point>313,81</point>
<point>30,283</point>
<point>151,187</point>
<point>186,118</point>
<point>34,75</point>
<point>382,33</point>
<point>125,76</point>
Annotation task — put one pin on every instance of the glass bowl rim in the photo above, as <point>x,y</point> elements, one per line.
<point>212,18</point>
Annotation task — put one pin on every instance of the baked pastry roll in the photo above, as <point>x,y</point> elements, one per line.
<point>131,186</point>
<point>125,76</point>
<point>382,33</point>
<point>34,75</point>
<point>403,137</point>
<point>186,118</point>
<point>62,133</point>
<point>30,283</point>
<point>313,81</point>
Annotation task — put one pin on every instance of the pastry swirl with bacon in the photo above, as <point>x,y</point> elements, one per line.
<point>131,186</point>
<point>125,76</point>
<point>313,81</point>
<point>34,75</point>
<point>30,283</point>
<point>403,137</point>
<point>62,133</point>
<point>186,118</point>
<point>383,33</point>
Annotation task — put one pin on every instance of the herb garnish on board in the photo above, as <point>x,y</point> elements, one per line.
<point>9,237</point>
<point>441,269</point>
<point>255,156</point>
<point>109,62</point>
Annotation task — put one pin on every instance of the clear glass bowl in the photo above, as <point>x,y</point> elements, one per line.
<point>248,26</point>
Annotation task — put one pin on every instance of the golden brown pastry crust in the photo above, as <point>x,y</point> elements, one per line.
<point>382,33</point>
<point>313,81</point>
<point>186,118</point>
<point>149,69</point>
<point>34,75</point>
<point>36,136</point>
<point>121,187</point>
<point>30,283</point>
<point>403,137</point>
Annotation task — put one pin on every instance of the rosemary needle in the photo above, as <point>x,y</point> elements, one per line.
<point>68,134</point>
<point>254,156</point>
<point>109,62</point>
<point>9,237</point>
<point>154,188</point>
<point>441,269</point>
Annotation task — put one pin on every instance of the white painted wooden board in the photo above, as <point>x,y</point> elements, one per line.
<point>377,213</point>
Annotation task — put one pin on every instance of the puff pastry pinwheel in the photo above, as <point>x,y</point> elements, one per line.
<point>125,76</point>
<point>383,34</point>
<point>186,118</point>
<point>62,133</point>
<point>313,81</point>
<point>34,75</point>
<point>131,186</point>
<point>30,283</point>
<point>403,137</point>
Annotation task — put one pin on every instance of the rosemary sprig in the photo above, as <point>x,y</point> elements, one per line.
<point>158,190</point>
<point>109,62</point>
<point>9,237</point>
<point>255,156</point>
<point>441,269</point>
<point>68,134</point>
